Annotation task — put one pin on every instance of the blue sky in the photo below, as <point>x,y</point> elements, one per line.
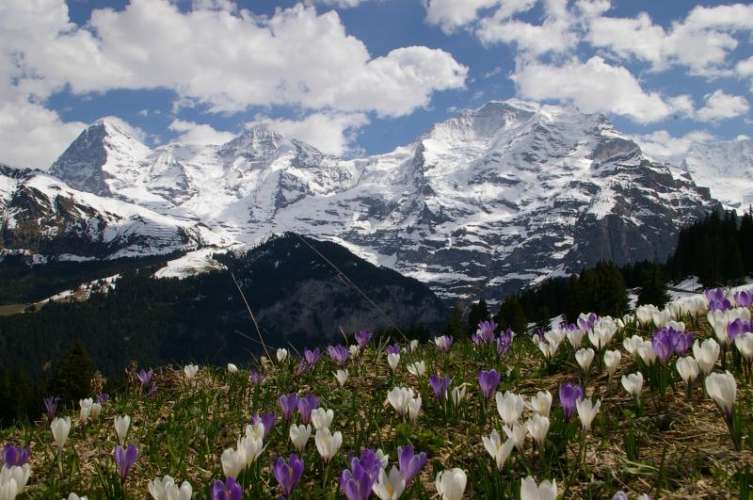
<point>364,76</point>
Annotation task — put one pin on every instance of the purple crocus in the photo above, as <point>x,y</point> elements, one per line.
<point>663,343</point>
<point>51,406</point>
<point>255,377</point>
<point>504,341</point>
<point>312,356</point>
<point>737,327</point>
<point>444,343</point>
<point>15,455</point>
<point>440,385</point>
<point>339,354</point>
<point>587,321</point>
<point>302,367</point>
<point>305,405</point>
<point>124,459</point>
<point>229,490</point>
<point>486,331</point>
<point>288,404</point>
<point>145,378</point>
<point>371,462</point>
<point>717,299</point>
<point>288,473</point>
<point>409,463</point>
<point>682,342</point>
<point>392,349</point>
<point>103,398</point>
<point>570,394</point>
<point>488,380</point>
<point>744,298</point>
<point>356,482</point>
<point>363,337</point>
<point>267,420</point>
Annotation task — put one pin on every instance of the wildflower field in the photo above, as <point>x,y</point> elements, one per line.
<point>654,404</point>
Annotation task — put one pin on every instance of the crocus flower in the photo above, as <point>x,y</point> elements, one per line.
<point>458,394</point>
<point>393,360</point>
<point>529,490</point>
<point>14,456</point>
<point>190,371</point>
<point>267,420</point>
<point>409,462</point>
<point>232,368</point>
<point>145,378</point>
<point>717,300</point>
<point>633,384</point>
<point>166,489</point>
<point>738,326</point>
<point>341,376</point>
<point>121,427</point>
<point>587,411</point>
<point>392,349</point>
<point>327,443</point>
<point>389,487</point>
<point>585,357</point>
<point>586,321</point>
<point>405,401</point>
<point>486,331</point>
<point>321,418</point>
<point>312,356</point>
<point>305,405</point>
<point>663,343</point>
<point>538,427</point>
<point>570,394</point>
<point>339,354</point>
<point>363,337</point>
<point>541,403</point>
<point>124,459</point>
<point>516,432</point>
<point>744,344</point>
<point>229,490</point>
<point>233,462</point>
<point>498,450</point>
<point>504,341</point>
<point>488,380</point>
<point>299,436</point>
<point>706,353</point>
<point>281,354</point>
<point>510,407</point>
<point>440,385</point>
<point>255,377</point>
<point>13,480</point>
<point>356,482</point>
<point>103,398</point>
<point>288,404</point>
<point>451,484</point>
<point>681,342</point>
<point>612,361</point>
<point>744,298</point>
<point>688,369</point>
<point>722,388</point>
<point>288,473</point>
<point>51,406</point>
<point>60,428</point>
<point>443,343</point>
<point>417,369</point>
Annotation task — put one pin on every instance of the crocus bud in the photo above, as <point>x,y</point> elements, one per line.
<point>451,483</point>
<point>166,489</point>
<point>587,412</point>
<point>232,368</point>
<point>190,371</point>
<point>633,384</point>
<point>612,361</point>
<point>706,354</point>
<point>529,490</point>
<point>688,369</point>
<point>60,428</point>
<point>584,357</point>
<point>341,376</point>
<point>121,427</point>
<point>282,355</point>
<point>299,436</point>
<point>509,406</point>
<point>393,360</point>
<point>538,427</point>
<point>722,388</point>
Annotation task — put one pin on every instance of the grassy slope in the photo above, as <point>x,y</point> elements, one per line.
<point>684,449</point>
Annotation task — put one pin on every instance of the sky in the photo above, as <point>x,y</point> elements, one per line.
<point>357,77</point>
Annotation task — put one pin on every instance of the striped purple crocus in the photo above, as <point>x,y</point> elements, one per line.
<point>392,349</point>
<point>739,326</point>
<point>339,354</point>
<point>488,380</point>
<point>440,385</point>
<point>15,455</point>
<point>229,490</point>
<point>51,406</point>
<point>356,482</point>
<point>288,473</point>
<point>288,404</point>
<point>305,405</point>
<point>485,331</point>
<point>744,298</point>
<point>570,394</point>
<point>504,341</point>
<point>363,337</point>
<point>124,460</point>
<point>312,356</point>
<point>409,463</point>
<point>663,343</point>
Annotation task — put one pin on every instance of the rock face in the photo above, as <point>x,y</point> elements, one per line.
<point>487,201</point>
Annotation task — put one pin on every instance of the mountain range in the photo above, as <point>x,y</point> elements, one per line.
<point>488,201</point>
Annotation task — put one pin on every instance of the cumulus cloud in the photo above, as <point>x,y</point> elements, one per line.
<point>662,145</point>
<point>593,86</point>
<point>719,106</point>
<point>198,133</point>
<point>450,15</point>
<point>329,133</point>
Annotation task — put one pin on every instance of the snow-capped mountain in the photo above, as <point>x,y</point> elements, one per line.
<point>42,216</point>
<point>726,168</point>
<point>491,199</point>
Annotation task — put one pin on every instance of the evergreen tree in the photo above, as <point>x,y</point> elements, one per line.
<point>455,325</point>
<point>73,375</point>
<point>653,287</point>
<point>511,315</point>
<point>478,312</point>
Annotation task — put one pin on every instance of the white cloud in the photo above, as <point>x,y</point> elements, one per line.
<point>343,4</point>
<point>662,145</point>
<point>719,106</point>
<point>745,67</point>
<point>593,86</point>
<point>199,133</point>
<point>329,133</point>
<point>450,15</point>
<point>702,41</point>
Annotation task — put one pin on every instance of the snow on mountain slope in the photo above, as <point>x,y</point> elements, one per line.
<point>42,215</point>
<point>487,201</point>
<point>726,168</point>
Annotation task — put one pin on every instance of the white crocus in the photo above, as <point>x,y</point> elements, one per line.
<point>585,357</point>
<point>327,444</point>
<point>529,490</point>
<point>538,427</point>
<point>706,353</point>
<point>405,401</point>
<point>417,369</point>
<point>354,350</point>
<point>233,462</point>
<point>498,450</point>
<point>232,368</point>
<point>282,354</point>
<point>458,394</point>
<point>190,371</point>
<point>413,345</point>
<point>632,344</point>
<point>393,359</point>
<point>688,369</point>
<point>121,427</point>
<point>744,344</point>
<point>166,489</point>
<point>509,406</point>
<point>60,428</point>
<point>321,418</point>
<point>587,412</point>
<point>633,384</point>
<point>16,474</point>
<point>389,487</point>
<point>541,403</point>
<point>299,436</point>
<point>451,483</point>
<point>575,337</point>
<point>647,353</point>
<point>86,409</point>
<point>250,447</point>
<point>722,388</point>
<point>612,361</point>
<point>516,433</point>
<point>341,376</point>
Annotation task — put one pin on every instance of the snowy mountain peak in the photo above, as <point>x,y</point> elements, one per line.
<point>726,168</point>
